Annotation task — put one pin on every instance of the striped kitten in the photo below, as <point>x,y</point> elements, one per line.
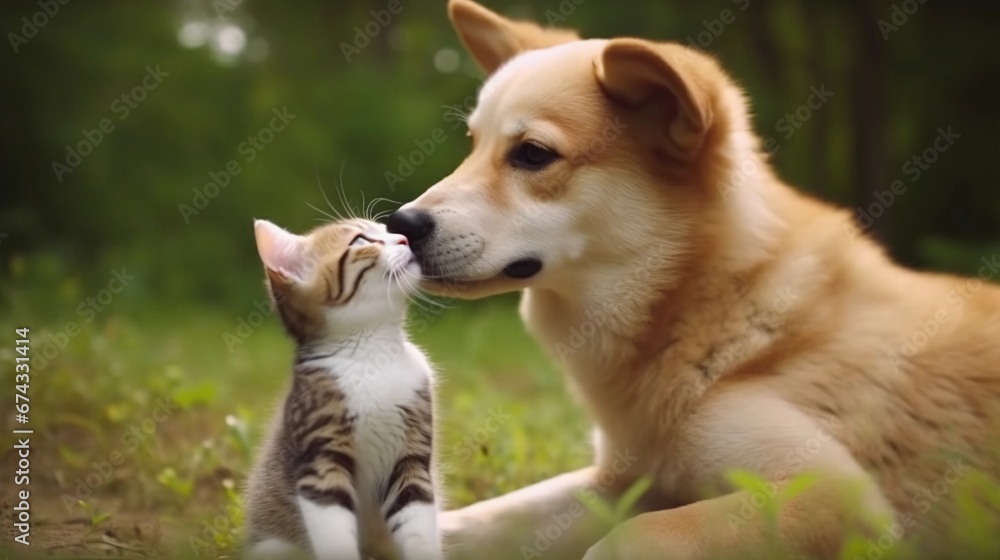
<point>349,456</point>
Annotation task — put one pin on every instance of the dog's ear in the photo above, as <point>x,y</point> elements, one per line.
<point>493,39</point>
<point>670,81</point>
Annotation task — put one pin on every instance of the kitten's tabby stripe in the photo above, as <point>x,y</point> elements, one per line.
<point>409,494</point>
<point>328,496</point>
<point>340,278</point>
<point>357,282</point>
<point>300,360</point>
<point>319,422</point>
<point>339,459</point>
<point>306,371</point>
<point>410,480</point>
<point>409,466</point>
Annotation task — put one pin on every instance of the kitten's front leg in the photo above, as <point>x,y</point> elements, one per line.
<point>331,524</point>
<point>411,511</point>
<point>408,501</point>
<point>327,496</point>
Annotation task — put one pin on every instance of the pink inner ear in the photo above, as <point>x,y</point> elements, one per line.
<point>280,250</point>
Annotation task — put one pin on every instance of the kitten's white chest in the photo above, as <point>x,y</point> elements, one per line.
<point>383,378</point>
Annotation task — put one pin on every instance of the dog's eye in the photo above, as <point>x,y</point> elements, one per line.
<point>531,156</point>
<point>359,240</point>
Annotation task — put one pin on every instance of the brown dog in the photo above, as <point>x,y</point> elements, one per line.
<point>710,317</point>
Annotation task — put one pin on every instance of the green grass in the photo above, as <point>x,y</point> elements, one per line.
<point>95,413</point>
<point>147,420</point>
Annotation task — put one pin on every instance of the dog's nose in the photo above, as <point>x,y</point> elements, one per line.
<point>415,225</point>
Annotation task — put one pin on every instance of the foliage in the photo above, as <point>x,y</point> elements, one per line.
<point>354,121</point>
<point>155,203</point>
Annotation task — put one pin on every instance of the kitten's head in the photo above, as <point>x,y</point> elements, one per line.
<point>341,277</point>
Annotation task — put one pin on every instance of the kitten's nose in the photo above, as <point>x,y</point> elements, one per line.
<point>415,225</point>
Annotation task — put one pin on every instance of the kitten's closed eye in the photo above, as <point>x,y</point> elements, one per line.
<point>360,240</point>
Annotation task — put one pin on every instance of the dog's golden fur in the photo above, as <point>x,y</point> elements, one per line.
<point>708,316</point>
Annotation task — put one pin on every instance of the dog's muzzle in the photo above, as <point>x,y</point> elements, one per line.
<point>415,225</point>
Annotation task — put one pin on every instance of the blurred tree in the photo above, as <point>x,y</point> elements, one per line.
<point>898,76</point>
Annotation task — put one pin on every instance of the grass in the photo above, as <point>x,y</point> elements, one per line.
<point>146,421</point>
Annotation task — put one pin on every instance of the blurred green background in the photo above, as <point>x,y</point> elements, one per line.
<point>229,63</point>
<point>121,119</point>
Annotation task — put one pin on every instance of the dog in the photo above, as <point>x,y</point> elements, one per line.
<point>710,318</point>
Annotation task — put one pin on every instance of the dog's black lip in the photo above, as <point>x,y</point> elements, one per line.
<point>523,268</point>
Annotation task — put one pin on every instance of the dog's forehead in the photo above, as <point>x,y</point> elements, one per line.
<point>536,76</point>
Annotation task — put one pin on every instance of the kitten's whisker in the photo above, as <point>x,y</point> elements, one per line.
<point>411,290</point>
<point>369,209</point>
<point>408,290</point>
<point>343,194</point>
<point>376,201</point>
<point>413,282</point>
<point>456,111</point>
<point>327,199</point>
<point>327,214</point>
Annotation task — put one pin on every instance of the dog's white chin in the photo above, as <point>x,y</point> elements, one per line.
<point>474,288</point>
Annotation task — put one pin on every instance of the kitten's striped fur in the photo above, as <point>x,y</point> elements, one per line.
<point>348,463</point>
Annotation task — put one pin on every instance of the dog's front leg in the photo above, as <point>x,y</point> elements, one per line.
<point>812,524</point>
<point>547,519</point>
<point>772,518</point>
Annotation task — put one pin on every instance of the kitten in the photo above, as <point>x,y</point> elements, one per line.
<point>349,457</point>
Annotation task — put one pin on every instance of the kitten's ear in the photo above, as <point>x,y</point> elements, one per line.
<point>282,252</point>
